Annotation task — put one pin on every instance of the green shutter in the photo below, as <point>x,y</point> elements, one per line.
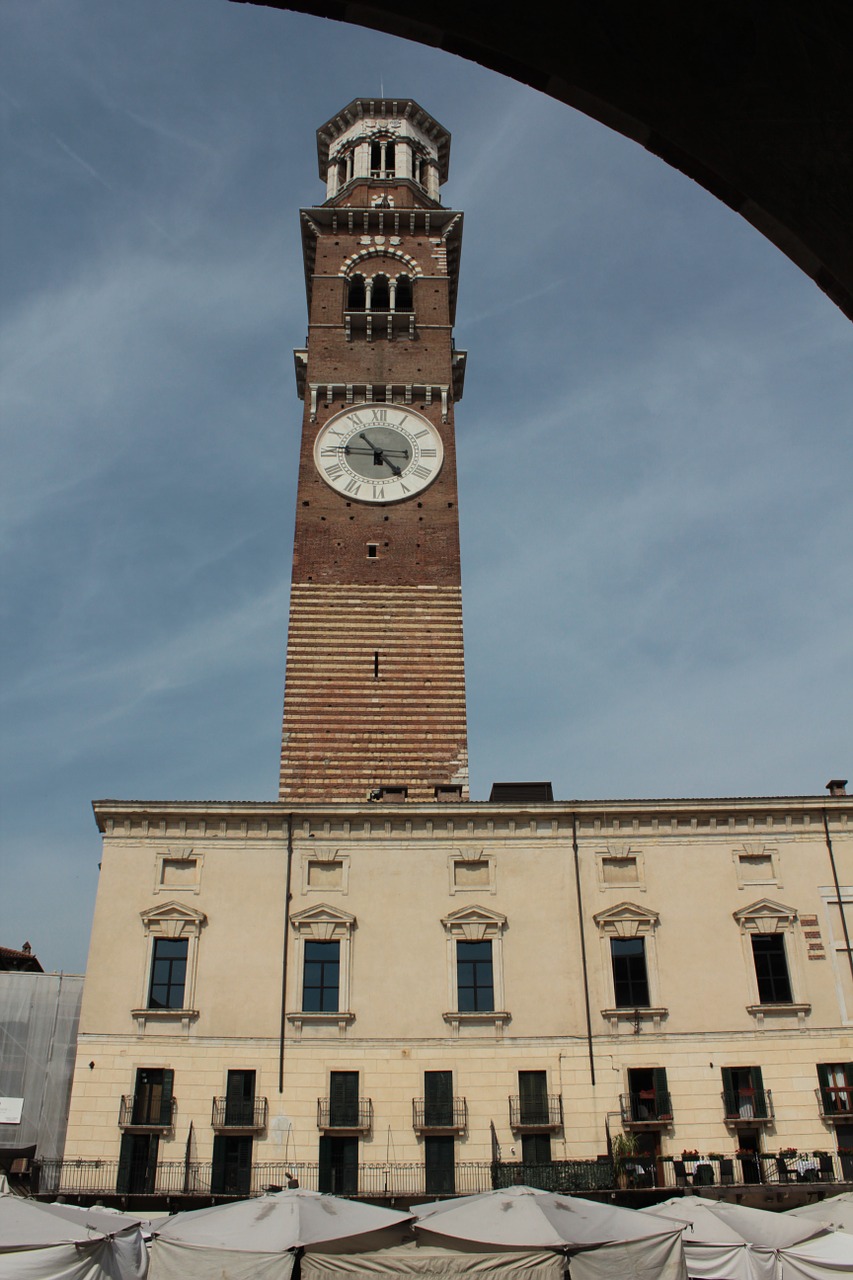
<point>217,1177</point>
<point>166,1098</point>
<point>324,1172</point>
<point>730,1101</point>
<point>438,1097</point>
<point>662,1104</point>
<point>151,1165</point>
<point>124,1160</point>
<point>343,1098</point>
<point>759,1102</point>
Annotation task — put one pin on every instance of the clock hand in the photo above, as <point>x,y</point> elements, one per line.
<point>380,454</point>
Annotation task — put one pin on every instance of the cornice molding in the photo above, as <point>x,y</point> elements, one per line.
<point>597,822</point>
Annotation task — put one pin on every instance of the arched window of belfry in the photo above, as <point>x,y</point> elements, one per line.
<point>356,294</point>
<point>380,294</point>
<point>404,300</point>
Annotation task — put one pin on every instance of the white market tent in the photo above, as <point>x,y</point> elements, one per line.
<point>433,1262</point>
<point>714,1249</point>
<point>603,1240</point>
<point>255,1238</point>
<point>834,1211</point>
<point>826,1258</point>
<point>36,1244</point>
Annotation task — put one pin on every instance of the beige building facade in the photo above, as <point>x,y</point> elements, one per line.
<point>376,986</point>
<point>676,970</point>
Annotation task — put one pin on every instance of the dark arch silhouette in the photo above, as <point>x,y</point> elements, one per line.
<point>753,99</point>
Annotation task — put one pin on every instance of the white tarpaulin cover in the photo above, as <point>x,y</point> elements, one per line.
<point>524,1218</point>
<point>827,1258</point>
<point>713,1249</point>
<point>282,1220</point>
<point>174,1260</point>
<point>834,1211</point>
<point>658,1258</point>
<point>432,1261</point>
<point>38,1245</point>
<point>760,1226</point>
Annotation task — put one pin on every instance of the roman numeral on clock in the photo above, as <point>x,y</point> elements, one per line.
<point>353,487</point>
<point>421,472</point>
<point>334,472</point>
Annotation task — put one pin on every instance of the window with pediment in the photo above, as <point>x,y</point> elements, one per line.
<point>172,932</point>
<point>475,981</point>
<point>323,964</point>
<point>628,938</point>
<point>770,941</point>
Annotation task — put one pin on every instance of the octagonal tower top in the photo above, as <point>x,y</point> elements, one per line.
<point>382,140</point>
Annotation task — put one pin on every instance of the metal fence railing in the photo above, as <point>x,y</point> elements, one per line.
<point>380,1180</point>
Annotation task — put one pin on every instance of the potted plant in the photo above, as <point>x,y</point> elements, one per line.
<point>623,1147</point>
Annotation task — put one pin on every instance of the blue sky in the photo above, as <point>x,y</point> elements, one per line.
<point>654,443</point>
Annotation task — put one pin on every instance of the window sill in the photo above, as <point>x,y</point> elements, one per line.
<point>304,1018</point>
<point>788,1010</point>
<point>495,1018</point>
<point>159,1016</point>
<point>653,1013</point>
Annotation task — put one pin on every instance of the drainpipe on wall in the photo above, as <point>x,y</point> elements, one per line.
<point>583,949</point>
<point>284,953</point>
<point>837,787</point>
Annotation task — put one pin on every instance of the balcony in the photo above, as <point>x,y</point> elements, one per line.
<point>140,1113</point>
<point>645,1109</point>
<point>344,1117</point>
<point>449,1116</point>
<point>748,1106</point>
<point>375,323</point>
<point>543,1115</point>
<point>239,1115</point>
<point>194,1182</point>
<point>835,1103</point>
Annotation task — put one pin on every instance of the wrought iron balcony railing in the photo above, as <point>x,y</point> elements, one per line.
<point>544,1113</point>
<point>645,1109</point>
<point>748,1106</point>
<point>140,1111</point>
<point>191,1179</point>
<point>449,1116</point>
<point>835,1103</point>
<point>345,1117</point>
<point>248,1115</point>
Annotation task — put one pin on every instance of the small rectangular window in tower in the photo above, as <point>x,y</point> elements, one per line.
<point>372,550</point>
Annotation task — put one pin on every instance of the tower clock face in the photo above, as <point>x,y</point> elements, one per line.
<point>378,453</point>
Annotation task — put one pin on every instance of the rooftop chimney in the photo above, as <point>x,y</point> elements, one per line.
<point>837,786</point>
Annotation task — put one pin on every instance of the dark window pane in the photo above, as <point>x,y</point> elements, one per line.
<point>630,980</point>
<point>168,973</point>
<point>474,977</point>
<point>321,977</point>
<point>771,969</point>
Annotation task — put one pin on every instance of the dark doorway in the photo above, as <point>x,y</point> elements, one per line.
<point>232,1166</point>
<point>338,1172</point>
<point>439,1166</point>
<point>137,1164</point>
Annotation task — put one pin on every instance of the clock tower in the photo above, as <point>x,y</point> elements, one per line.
<point>375,685</point>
